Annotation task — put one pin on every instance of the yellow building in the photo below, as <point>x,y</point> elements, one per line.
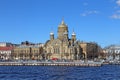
<point>27,52</point>
<point>63,47</point>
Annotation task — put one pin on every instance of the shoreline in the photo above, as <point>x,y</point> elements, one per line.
<point>49,64</point>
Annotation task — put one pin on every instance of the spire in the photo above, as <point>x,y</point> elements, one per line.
<point>51,33</point>
<point>63,21</point>
<point>73,33</point>
<point>73,36</point>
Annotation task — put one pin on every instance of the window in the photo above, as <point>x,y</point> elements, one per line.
<point>56,50</point>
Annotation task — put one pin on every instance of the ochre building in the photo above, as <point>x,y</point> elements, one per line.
<point>63,47</point>
<point>27,52</point>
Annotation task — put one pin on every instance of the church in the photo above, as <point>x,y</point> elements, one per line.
<point>63,47</point>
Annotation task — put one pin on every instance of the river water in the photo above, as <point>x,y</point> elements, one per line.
<point>106,72</point>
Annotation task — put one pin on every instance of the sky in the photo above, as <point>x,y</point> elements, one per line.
<point>33,20</point>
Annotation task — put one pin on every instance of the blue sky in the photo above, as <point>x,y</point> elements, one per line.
<point>33,20</point>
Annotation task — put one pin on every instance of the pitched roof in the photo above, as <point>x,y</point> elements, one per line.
<point>6,48</point>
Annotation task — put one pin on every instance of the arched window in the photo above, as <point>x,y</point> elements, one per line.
<point>56,50</point>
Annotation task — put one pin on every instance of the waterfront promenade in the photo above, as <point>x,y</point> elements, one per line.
<point>37,63</point>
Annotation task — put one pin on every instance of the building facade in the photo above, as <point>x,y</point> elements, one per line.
<point>5,53</point>
<point>28,51</point>
<point>5,50</point>
<point>63,47</point>
<point>5,44</point>
<point>112,52</point>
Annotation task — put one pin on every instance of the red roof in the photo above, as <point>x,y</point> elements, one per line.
<point>6,48</point>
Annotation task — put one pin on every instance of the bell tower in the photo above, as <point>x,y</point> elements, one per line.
<point>51,36</point>
<point>73,36</point>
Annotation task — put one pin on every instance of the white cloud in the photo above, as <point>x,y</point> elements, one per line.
<point>118,2</point>
<point>115,16</point>
<point>86,13</point>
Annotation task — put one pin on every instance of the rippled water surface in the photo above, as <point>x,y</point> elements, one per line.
<point>106,72</point>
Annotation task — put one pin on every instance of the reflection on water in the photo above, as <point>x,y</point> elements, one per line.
<point>106,72</point>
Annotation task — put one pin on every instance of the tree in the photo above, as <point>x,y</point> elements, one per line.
<point>102,55</point>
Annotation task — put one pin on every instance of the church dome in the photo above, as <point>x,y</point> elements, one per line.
<point>51,33</point>
<point>73,33</point>
<point>62,24</point>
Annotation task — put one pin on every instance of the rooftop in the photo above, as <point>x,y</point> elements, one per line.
<point>6,48</point>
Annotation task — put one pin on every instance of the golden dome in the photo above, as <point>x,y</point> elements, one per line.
<point>62,24</point>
